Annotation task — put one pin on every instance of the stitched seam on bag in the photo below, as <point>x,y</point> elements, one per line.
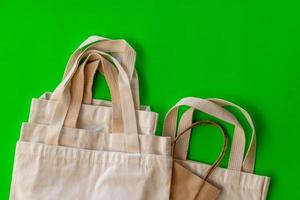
<point>104,164</point>
<point>146,163</point>
<point>222,182</point>
<point>239,187</point>
<point>105,107</point>
<point>87,162</point>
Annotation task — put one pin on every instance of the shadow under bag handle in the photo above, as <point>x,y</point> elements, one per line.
<point>224,148</point>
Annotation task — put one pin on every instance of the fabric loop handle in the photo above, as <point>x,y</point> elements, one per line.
<point>120,50</point>
<point>238,143</point>
<point>62,96</point>
<point>250,157</point>
<point>93,63</point>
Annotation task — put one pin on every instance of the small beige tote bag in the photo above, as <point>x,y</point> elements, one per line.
<point>53,161</point>
<point>185,184</point>
<point>97,114</point>
<point>237,181</point>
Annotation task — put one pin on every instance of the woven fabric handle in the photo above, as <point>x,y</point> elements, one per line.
<point>250,157</point>
<point>63,98</point>
<point>77,91</point>
<point>238,143</point>
<point>120,50</point>
<point>186,120</point>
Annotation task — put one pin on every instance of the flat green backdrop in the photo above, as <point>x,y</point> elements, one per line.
<point>245,52</point>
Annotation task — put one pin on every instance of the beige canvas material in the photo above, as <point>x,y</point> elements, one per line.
<point>56,162</point>
<point>94,140</point>
<point>77,91</point>
<point>46,172</point>
<point>123,52</point>
<point>97,116</point>
<point>103,121</point>
<point>120,50</point>
<point>125,92</point>
<point>185,184</point>
<point>235,183</point>
<point>249,160</point>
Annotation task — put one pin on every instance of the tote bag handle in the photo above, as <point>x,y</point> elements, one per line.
<point>249,161</point>
<point>238,143</point>
<point>186,120</point>
<point>63,98</point>
<point>120,50</point>
<point>77,91</point>
<point>89,80</point>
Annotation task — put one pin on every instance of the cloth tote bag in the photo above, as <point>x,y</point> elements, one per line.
<point>97,114</point>
<point>53,161</point>
<point>185,184</point>
<point>237,181</point>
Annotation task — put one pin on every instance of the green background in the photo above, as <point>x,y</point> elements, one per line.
<point>245,52</point>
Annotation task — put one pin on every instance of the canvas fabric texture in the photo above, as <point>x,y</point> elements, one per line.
<point>96,116</point>
<point>58,161</point>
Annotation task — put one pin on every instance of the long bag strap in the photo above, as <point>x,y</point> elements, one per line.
<point>63,97</point>
<point>77,91</point>
<point>120,50</point>
<point>250,157</point>
<point>238,143</point>
<point>186,120</point>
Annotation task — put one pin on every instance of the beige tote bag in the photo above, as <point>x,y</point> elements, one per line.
<point>97,114</point>
<point>185,184</point>
<point>56,162</point>
<point>237,181</point>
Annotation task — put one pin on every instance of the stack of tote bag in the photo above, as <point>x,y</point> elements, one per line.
<point>97,114</point>
<point>76,147</point>
<point>57,160</point>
